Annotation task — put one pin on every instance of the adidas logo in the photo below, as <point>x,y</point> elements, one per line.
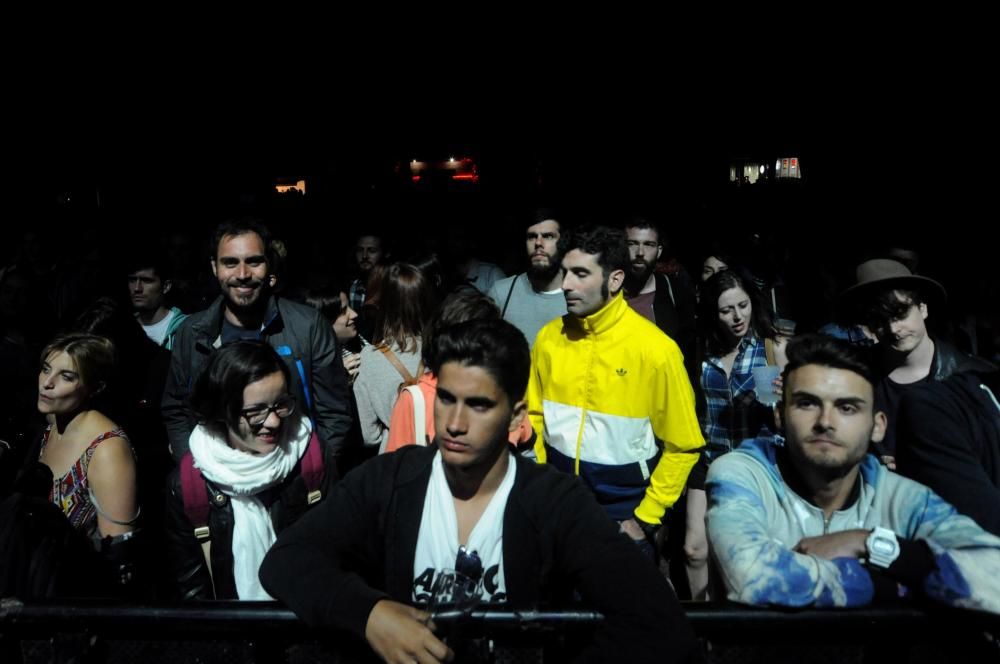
<point>621,372</point>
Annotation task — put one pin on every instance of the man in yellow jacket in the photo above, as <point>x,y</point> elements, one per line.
<point>608,395</point>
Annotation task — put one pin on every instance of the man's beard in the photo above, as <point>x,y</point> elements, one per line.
<point>636,281</point>
<point>546,273</point>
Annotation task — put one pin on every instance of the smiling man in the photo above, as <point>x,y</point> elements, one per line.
<point>818,522</point>
<point>248,309</point>
<point>526,534</point>
<point>609,397</point>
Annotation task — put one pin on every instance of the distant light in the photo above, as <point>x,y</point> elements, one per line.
<point>299,186</point>
<point>762,169</point>
<point>451,159</point>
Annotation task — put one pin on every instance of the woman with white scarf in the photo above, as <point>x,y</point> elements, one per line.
<point>250,438</point>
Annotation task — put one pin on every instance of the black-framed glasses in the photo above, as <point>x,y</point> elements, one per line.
<point>257,415</point>
<point>468,563</point>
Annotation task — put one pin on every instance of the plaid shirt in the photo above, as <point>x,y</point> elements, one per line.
<point>732,413</point>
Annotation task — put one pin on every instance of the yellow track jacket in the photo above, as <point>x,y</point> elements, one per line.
<point>610,401</point>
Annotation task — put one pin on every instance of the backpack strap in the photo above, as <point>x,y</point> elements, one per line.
<point>769,350</point>
<point>394,361</point>
<point>312,469</point>
<point>408,378</point>
<point>194,494</point>
<point>419,416</point>
<point>513,281</point>
<point>670,290</point>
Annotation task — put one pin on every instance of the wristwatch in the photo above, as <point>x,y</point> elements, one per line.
<point>648,529</point>
<point>882,547</point>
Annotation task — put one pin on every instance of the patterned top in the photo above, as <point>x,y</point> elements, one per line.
<point>732,413</point>
<point>71,492</point>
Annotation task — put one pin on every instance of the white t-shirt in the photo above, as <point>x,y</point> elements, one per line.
<point>437,541</point>
<point>158,331</point>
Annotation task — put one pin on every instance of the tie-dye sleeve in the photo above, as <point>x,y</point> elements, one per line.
<point>756,567</point>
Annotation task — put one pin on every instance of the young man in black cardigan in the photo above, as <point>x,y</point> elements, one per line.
<point>361,560</point>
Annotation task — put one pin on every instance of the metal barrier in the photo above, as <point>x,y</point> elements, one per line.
<point>267,622</point>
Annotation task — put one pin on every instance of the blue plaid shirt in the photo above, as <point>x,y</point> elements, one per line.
<point>732,413</point>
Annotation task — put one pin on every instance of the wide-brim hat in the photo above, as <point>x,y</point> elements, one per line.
<point>884,273</point>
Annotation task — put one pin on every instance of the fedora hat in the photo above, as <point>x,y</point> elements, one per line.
<point>885,273</point>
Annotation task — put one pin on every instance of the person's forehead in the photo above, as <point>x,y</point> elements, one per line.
<point>145,273</point>
<point>369,242</point>
<point>545,226</point>
<point>830,382</point>
<point>642,234</point>
<point>580,258</point>
<point>244,243</point>
<point>459,376</point>
<point>62,359</point>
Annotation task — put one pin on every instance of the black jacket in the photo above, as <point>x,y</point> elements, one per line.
<point>949,439</point>
<point>302,338</point>
<point>948,361</point>
<point>675,316</point>
<point>358,547</point>
<point>285,503</point>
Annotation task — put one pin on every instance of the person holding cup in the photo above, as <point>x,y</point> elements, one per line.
<point>736,331</point>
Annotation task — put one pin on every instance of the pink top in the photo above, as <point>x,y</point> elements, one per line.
<point>401,423</point>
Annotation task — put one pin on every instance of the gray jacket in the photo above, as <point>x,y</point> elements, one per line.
<point>302,338</point>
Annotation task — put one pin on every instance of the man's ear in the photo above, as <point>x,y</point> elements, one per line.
<point>659,251</point>
<point>518,414</point>
<point>878,430</point>
<point>215,270</point>
<point>615,281</point>
<point>779,415</point>
<point>272,280</point>
<point>923,310</point>
<point>167,285</point>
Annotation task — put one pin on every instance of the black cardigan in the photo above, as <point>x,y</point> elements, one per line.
<point>358,547</point>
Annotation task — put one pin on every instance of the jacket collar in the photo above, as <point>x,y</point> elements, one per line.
<point>210,325</point>
<point>604,318</point>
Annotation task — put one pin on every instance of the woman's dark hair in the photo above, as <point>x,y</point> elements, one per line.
<point>217,398</point>
<point>326,301</point>
<point>495,346</point>
<point>828,352</point>
<point>718,340</point>
<point>404,299</point>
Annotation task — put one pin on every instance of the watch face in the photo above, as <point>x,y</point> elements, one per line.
<point>883,547</point>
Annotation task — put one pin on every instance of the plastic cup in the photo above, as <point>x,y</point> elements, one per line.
<point>763,380</point>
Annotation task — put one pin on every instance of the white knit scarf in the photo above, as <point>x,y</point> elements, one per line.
<point>241,476</point>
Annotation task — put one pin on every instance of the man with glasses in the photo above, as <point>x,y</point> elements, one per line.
<point>467,520</point>
<point>253,467</point>
<point>248,309</point>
